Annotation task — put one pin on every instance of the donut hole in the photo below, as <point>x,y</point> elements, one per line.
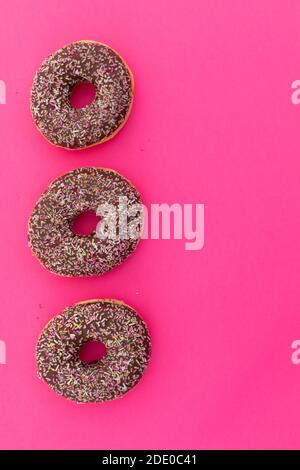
<point>82,95</point>
<point>85,223</point>
<point>92,351</point>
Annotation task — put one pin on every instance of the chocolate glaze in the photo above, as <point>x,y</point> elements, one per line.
<point>50,226</point>
<point>83,61</point>
<point>118,327</point>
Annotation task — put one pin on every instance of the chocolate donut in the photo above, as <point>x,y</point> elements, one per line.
<point>50,234</point>
<point>79,62</point>
<point>118,327</point>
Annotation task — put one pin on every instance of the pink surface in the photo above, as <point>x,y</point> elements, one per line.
<point>212,123</point>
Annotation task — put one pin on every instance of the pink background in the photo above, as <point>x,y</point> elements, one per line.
<point>212,123</point>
